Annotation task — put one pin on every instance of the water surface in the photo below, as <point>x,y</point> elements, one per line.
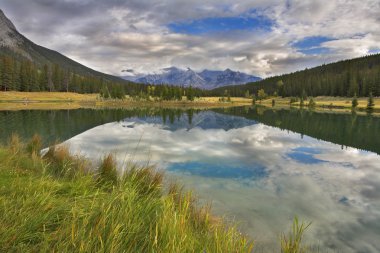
<point>259,167</point>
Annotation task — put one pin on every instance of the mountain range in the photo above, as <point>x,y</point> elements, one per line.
<point>15,45</point>
<point>207,79</point>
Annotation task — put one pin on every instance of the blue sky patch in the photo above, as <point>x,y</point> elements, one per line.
<point>221,24</point>
<point>309,150</point>
<point>374,51</point>
<point>312,45</point>
<point>305,155</point>
<point>304,158</point>
<point>219,170</point>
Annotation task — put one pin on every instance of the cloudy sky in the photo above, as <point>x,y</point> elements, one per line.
<point>261,37</point>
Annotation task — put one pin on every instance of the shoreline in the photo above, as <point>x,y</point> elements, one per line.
<point>324,104</point>
<point>67,100</point>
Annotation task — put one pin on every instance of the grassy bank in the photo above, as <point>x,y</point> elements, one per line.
<point>325,104</point>
<point>62,203</point>
<point>57,204</point>
<point>12,100</point>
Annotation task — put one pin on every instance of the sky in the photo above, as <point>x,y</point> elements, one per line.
<point>261,37</point>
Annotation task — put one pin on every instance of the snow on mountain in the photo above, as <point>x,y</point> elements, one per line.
<point>226,77</point>
<point>207,79</point>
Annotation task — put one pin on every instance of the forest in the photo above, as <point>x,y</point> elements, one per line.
<point>19,74</point>
<point>348,130</point>
<point>359,76</point>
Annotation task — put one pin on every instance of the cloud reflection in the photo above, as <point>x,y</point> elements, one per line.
<point>260,175</point>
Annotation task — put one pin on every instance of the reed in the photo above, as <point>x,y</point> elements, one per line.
<point>292,243</point>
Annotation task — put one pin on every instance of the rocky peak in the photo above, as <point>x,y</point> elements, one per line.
<point>9,37</point>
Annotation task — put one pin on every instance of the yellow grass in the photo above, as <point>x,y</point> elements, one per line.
<point>45,96</point>
<point>326,102</point>
<point>12,100</point>
<point>9,106</point>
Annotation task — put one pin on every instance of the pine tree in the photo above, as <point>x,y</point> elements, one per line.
<point>190,94</point>
<point>371,103</point>
<point>311,103</point>
<point>8,68</point>
<point>354,102</point>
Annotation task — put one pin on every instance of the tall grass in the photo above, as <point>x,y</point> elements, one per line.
<point>292,243</point>
<point>53,204</point>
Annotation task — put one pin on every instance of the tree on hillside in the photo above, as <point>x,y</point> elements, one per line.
<point>280,87</point>
<point>7,71</point>
<point>344,78</point>
<point>66,80</point>
<point>50,84</point>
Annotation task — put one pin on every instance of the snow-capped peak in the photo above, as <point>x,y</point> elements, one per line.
<point>207,79</point>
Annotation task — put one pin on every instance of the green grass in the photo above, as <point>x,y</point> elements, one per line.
<point>292,243</point>
<point>61,203</point>
<point>58,204</point>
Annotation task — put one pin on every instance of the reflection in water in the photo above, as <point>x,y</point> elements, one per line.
<point>350,130</point>
<point>61,125</point>
<point>260,175</point>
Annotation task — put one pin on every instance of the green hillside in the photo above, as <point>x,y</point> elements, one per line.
<point>358,76</point>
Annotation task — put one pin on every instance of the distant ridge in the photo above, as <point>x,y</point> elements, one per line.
<point>207,79</point>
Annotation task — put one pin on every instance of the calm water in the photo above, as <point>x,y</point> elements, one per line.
<point>259,167</point>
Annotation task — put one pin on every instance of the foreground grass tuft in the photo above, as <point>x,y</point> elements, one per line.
<point>54,204</point>
<point>292,242</point>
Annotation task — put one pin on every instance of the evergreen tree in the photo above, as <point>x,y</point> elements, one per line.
<point>8,67</point>
<point>190,94</point>
<point>354,101</point>
<point>371,103</point>
<point>253,99</point>
<point>311,103</point>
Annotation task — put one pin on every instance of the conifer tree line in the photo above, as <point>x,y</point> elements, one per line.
<point>24,75</point>
<point>359,76</point>
<point>168,92</point>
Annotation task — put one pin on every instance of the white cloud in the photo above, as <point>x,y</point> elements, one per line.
<point>115,35</point>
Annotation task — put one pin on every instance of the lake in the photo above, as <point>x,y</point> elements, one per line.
<point>258,166</point>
